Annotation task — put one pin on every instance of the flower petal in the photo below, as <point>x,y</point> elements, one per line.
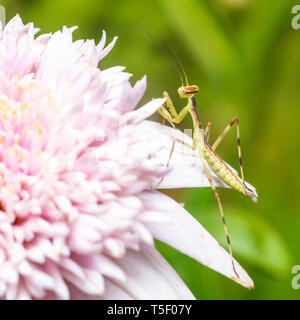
<point>137,116</point>
<point>115,292</point>
<point>112,292</point>
<point>104,51</point>
<point>149,276</point>
<point>187,235</point>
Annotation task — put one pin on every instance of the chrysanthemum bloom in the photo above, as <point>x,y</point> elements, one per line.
<point>77,172</point>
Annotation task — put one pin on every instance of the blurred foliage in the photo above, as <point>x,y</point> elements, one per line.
<point>245,57</point>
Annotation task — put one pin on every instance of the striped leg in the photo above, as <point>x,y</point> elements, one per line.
<point>171,153</point>
<point>209,177</point>
<point>223,134</point>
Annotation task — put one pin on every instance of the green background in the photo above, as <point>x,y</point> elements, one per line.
<point>245,57</point>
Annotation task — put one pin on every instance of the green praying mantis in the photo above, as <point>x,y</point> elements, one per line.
<point>207,153</point>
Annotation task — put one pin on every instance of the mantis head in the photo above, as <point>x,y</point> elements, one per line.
<point>186,91</point>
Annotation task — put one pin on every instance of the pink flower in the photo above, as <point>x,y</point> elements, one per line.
<point>78,212</point>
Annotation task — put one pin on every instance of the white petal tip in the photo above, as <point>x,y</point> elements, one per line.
<point>254,199</point>
<point>247,284</point>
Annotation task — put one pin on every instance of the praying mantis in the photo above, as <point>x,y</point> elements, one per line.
<point>207,153</point>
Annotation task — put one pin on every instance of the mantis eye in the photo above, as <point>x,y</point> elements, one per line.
<point>182,91</point>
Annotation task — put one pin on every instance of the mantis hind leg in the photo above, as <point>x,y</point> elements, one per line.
<point>209,177</point>
<point>223,134</point>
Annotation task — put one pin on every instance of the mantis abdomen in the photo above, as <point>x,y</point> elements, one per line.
<point>221,170</point>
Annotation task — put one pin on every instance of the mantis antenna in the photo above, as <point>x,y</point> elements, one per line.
<point>180,63</point>
<point>167,54</point>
